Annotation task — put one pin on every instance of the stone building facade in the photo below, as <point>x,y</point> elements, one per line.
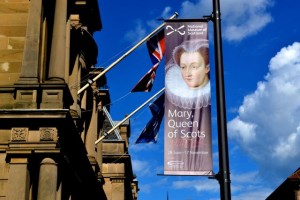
<point>48,130</point>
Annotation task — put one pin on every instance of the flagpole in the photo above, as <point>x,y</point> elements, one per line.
<point>90,82</point>
<point>128,116</point>
<point>224,174</point>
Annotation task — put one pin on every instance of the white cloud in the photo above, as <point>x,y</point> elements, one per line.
<point>195,10</point>
<point>145,169</point>
<point>288,149</point>
<point>141,29</point>
<point>4,67</point>
<point>137,33</point>
<point>145,188</point>
<point>244,186</point>
<point>268,125</point>
<point>249,130</point>
<point>240,19</point>
<point>199,186</point>
<point>255,193</point>
<point>166,14</point>
<point>244,18</point>
<point>249,177</point>
<point>141,167</point>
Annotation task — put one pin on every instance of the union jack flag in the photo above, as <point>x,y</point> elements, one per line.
<point>156,50</point>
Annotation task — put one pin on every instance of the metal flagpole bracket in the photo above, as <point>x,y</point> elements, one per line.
<point>105,134</point>
<point>209,17</point>
<point>214,16</point>
<point>90,82</point>
<point>215,176</point>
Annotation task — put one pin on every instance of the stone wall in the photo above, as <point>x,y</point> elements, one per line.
<point>13,22</point>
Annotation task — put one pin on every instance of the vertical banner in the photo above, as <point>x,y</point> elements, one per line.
<point>187,134</point>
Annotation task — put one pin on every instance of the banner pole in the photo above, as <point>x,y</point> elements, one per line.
<point>224,174</point>
<point>124,55</point>
<point>128,116</point>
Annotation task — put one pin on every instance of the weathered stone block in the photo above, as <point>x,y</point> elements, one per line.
<point>48,134</point>
<point>7,100</point>
<point>3,185</point>
<point>113,168</point>
<point>14,7</point>
<point>10,67</point>
<point>4,42</point>
<point>19,134</point>
<point>16,43</point>
<point>26,95</point>
<point>17,19</point>
<point>4,137</point>
<point>13,31</point>
<point>9,79</point>
<point>113,148</point>
<point>11,55</point>
<point>26,99</point>
<point>52,99</point>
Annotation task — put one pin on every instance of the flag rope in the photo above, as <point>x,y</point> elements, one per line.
<point>128,116</point>
<point>119,99</point>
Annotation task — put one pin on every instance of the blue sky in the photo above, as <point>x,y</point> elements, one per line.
<point>261,55</point>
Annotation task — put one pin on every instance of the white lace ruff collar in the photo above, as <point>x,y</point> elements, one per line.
<point>179,94</point>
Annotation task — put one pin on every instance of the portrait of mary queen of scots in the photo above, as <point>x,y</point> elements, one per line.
<point>188,110</point>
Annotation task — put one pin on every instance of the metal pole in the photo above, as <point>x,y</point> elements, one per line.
<point>124,55</point>
<point>224,173</point>
<point>128,116</point>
